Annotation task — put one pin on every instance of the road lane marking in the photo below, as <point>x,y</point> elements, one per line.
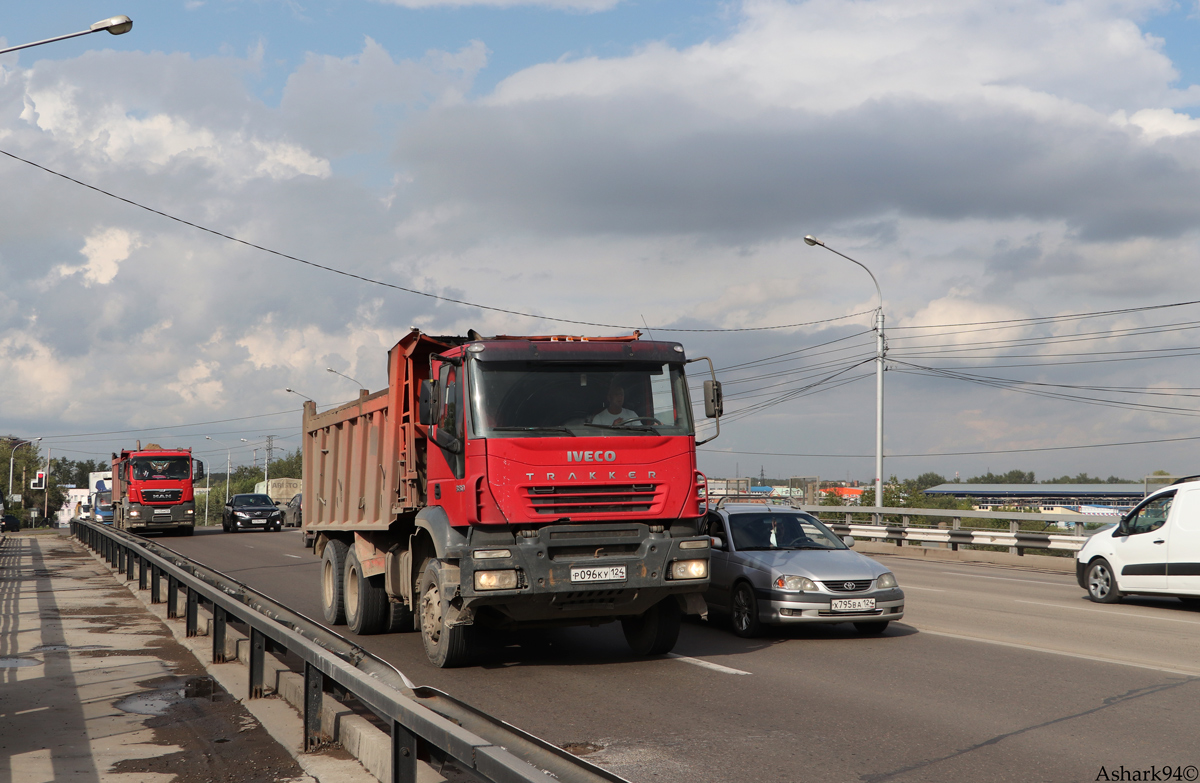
<point>1011,579</point>
<point>1032,648</point>
<point>716,667</point>
<point>930,589</point>
<point>295,556</point>
<point>1113,613</point>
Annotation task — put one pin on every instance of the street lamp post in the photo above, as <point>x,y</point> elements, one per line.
<point>117,25</point>
<point>11,456</point>
<point>880,352</point>
<point>344,375</point>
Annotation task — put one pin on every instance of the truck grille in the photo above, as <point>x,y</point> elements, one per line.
<point>855,586</point>
<point>592,599</point>
<point>593,499</point>
<point>161,495</point>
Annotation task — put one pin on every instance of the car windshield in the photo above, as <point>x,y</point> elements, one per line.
<point>104,501</point>
<point>253,500</point>
<point>780,530</point>
<point>531,399</point>
<point>162,469</point>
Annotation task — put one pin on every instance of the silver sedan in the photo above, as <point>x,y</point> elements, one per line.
<point>776,565</point>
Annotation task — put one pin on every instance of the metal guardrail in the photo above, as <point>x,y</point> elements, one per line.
<point>952,532</point>
<point>425,722</point>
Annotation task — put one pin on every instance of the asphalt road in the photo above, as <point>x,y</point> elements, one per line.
<point>996,674</point>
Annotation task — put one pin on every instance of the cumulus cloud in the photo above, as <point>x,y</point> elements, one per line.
<point>104,250</point>
<point>566,5</point>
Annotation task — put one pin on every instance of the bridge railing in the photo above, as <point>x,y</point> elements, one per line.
<point>424,722</point>
<point>1013,529</point>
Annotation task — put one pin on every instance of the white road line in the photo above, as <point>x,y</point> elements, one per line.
<point>716,667</point>
<point>1114,613</point>
<point>1032,648</point>
<point>1011,579</point>
<point>295,556</point>
<point>914,587</point>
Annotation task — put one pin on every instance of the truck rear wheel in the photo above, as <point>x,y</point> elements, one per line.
<point>656,631</point>
<point>446,647</point>
<point>364,598</point>
<point>333,574</point>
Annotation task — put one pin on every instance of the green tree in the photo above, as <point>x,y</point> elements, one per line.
<point>1011,477</point>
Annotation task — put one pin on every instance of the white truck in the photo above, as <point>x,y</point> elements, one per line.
<point>281,490</point>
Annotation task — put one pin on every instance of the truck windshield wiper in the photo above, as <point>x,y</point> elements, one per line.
<point>534,429</point>
<point>623,428</point>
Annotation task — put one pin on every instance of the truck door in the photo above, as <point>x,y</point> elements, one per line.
<point>1183,546</point>
<point>448,484</point>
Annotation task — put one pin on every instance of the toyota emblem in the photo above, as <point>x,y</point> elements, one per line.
<point>848,585</point>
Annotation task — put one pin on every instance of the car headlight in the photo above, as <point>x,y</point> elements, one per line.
<point>802,583</point>
<point>495,580</point>
<point>689,569</point>
<point>885,581</point>
<point>241,514</point>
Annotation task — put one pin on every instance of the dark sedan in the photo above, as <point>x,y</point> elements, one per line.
<point>293,515</point>
<point>250,511</point>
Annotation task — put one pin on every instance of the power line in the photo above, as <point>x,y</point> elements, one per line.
<point>414,291</point>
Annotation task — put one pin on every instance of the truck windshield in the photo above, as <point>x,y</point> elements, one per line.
<point>104,501</point>
<point>532,399</point>
<point>161,469</point>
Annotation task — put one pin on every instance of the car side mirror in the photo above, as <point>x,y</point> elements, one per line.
<point>718,542</point>
<point>425,403</point>
<point>714,400</point>
<point>848,540</point>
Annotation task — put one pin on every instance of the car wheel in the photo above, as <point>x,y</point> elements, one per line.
<point>365,599</point>
<point>234,527</point>
<point>743,611</point>
<point>333,574</point>
<point>872,627</point>
<point>446,646</point>
<point>1102,582</point>
<point>656,631</point>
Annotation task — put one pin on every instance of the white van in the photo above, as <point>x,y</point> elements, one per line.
<point>1154,550</point>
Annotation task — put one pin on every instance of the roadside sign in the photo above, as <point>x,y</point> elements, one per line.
<point>15,498</point>
<point>40,481</point>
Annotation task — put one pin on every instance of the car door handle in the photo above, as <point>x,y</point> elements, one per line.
<point>1160,541</point>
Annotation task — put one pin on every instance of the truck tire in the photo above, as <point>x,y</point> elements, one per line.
<point>364,598</point>
<point>400,618</point>
<point>656,631</point>
<point>446,647</point>
<point>333,574</point>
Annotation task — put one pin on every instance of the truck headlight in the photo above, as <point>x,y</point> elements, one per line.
<point>190,511</point>
<point>133,513</point>
<point>885,581</point>
<point>496,580</point>
<point>689,569</point>
<point>801,583</point>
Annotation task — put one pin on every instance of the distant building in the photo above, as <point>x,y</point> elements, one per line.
<point>1047,497</point>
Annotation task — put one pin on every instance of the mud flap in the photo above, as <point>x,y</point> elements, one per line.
<point>693,603</point>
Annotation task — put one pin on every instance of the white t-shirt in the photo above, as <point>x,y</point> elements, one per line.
<point>604,417</point>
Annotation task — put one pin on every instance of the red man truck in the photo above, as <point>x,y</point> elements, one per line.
<point>510,482</point>
<point>152,489</point>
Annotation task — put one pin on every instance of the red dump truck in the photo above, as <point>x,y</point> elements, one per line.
<point>152,490</point>
<point>509,482</point>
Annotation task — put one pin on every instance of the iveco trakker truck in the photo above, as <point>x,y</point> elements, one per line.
<point>510,482</point>
<point>152,490</point>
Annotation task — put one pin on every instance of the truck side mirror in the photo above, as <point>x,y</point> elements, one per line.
<point>714,400</point>
<point>425,403</point>
<point>197,470</point>
<point>446,440</point>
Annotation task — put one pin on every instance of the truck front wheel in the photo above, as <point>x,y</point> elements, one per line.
<point>446,647</point>
<point>333,573</point>
<point>656,631</point>
<point>364,598</point>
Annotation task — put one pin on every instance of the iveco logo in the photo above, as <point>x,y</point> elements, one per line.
<point>591,456</point>
<point>847,585</point>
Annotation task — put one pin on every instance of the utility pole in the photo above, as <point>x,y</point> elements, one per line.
<point>267,466</point>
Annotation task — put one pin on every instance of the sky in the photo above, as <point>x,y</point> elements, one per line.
<point>1022,179</point>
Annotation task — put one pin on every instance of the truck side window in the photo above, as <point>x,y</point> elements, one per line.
<point>450,416</point>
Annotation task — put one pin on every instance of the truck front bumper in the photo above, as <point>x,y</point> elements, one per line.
<point>551,588</point>
<point>150,518</point>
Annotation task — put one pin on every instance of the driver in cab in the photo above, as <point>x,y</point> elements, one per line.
<point>615,412</point>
